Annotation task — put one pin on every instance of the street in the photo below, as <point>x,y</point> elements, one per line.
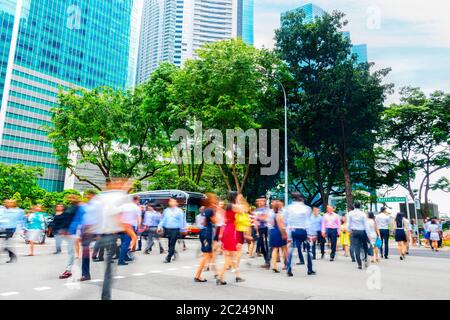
<point>419,277</point>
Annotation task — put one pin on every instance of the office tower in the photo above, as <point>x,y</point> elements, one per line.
<point>312,12</point>
<point>47,45</point>
<point>135,29</point>
<point>172,30</point>
<point>245,21</point>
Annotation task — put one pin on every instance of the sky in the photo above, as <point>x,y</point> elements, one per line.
<point>410,36</point>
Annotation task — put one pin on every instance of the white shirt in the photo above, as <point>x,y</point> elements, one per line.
<point>131,213</point>
<point>383,221</point>
<point>357,220</point>
<point>105,209</point>
<point>297,216</point>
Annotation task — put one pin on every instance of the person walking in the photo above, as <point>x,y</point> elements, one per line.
<point>152,218</point>
<point>384,222</point>
<point>344,238</point>
<point>35,225</point>
<point>297,217</point>
<point>373,235</point>
<point>131,219</point>
<point>63,230</point>
<point>228,237</point>
<point>331,228</point>
<point>434,229</point>
<point>357,224</point>
<point>414,232</point>
<point>243,225</point>
<point>83,222</point>
<point>56,226</point>
<point>278,238</point>
<point>210,204</point>
<point>400,235</point>
<point>11,219</point>
<point>262,229</point>
<point>173,223</point>
<point>316,232</point>
<point>220,221</point>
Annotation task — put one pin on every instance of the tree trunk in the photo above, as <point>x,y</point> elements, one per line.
<point>344,163</point>
<point>426,206</point>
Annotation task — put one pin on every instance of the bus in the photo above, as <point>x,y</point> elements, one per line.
<point>189,202</point>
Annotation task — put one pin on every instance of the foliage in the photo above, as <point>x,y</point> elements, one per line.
<point>334,101</point>
<point>418,133</point>
<point>20,182</point>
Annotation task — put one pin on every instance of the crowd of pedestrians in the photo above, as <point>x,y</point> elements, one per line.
<point>111,226</point>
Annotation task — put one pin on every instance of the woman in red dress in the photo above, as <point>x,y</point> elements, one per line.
<point>229,241</point>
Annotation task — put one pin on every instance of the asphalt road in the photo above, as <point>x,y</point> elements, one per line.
<point>424,275</point>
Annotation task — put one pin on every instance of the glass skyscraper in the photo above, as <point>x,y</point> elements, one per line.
<point>312,12</point>
<point>46,45</point>
<point>172,30</point>
<point>245,21</point>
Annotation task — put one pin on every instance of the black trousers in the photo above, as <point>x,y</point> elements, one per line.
<point>263,243</point>
<point>321,241</point>
<point>384,233</point>
<point>332,235</point>
<point>109,242</point>
<point>359,240</point>
<point>7,234</point>
<point>172,235</point>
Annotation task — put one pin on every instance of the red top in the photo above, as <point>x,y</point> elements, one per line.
<point>229,240</point>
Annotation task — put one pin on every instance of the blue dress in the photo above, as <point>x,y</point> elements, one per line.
<point>206,234</point>
<point>275,238</point>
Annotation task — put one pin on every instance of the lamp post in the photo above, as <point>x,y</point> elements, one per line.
<point>286,174</point>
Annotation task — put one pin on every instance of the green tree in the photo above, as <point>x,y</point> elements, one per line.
<point>225,89</point>
<point>417,130</point>
<point>21,180</point>
<point>116,131</point>
<point>334,101</point>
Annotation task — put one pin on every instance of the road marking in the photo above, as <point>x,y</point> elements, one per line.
<point>7,294</point>
<point>156,271</point>
<point>187,267</point>
<point>172,269</point>
<point>138,274</point>
<point>96,280</point>
<point>42,288</point>
<point>119,277</point>
<point>71,284</point>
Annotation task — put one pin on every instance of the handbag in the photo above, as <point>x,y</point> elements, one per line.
<point>378,243</point>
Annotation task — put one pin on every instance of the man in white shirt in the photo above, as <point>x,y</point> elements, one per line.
<point>358,228</point>
<point>131,216</point>
<point>297,218</point>
<point>384,221</point>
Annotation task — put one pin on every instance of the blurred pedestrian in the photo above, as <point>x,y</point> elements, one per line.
<point>35,226</point>
<point>373,235</point>
<point>400,235</point>
<point>262,229</point>
<point>210,204</point>
<point>434,229</point>
<point>62,226</point>
<point>315,231</point>
<point>173,223</point>
<point>344,238</point>
<point>385,223</point>
<point>152,218</point>
<point>11,219</point>
<point>331,229</point>
<point>59,210</point>
<point>131,219</point>
<point>278,238</point>
<point>228,237</point>
<point>297,218</point>
<point>357,225</point>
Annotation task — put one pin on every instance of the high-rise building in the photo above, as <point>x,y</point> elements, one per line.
<point>312,12</point>
<point>245,22</point>
<point>172,30</point>
<point>46,45</point>
<point>135,28</point>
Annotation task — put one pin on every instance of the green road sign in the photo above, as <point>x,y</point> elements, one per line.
<point>392,199</point>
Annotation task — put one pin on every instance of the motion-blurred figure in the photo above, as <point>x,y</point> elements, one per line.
<point>152,218</point>
<point>11,218</point>
<point>104,213</point>
<point>173,224</point>
<point>131,219</point>
<point>35,226</point>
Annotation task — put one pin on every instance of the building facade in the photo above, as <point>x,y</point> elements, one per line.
<point>46,46</point>
<point>172,30</point>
